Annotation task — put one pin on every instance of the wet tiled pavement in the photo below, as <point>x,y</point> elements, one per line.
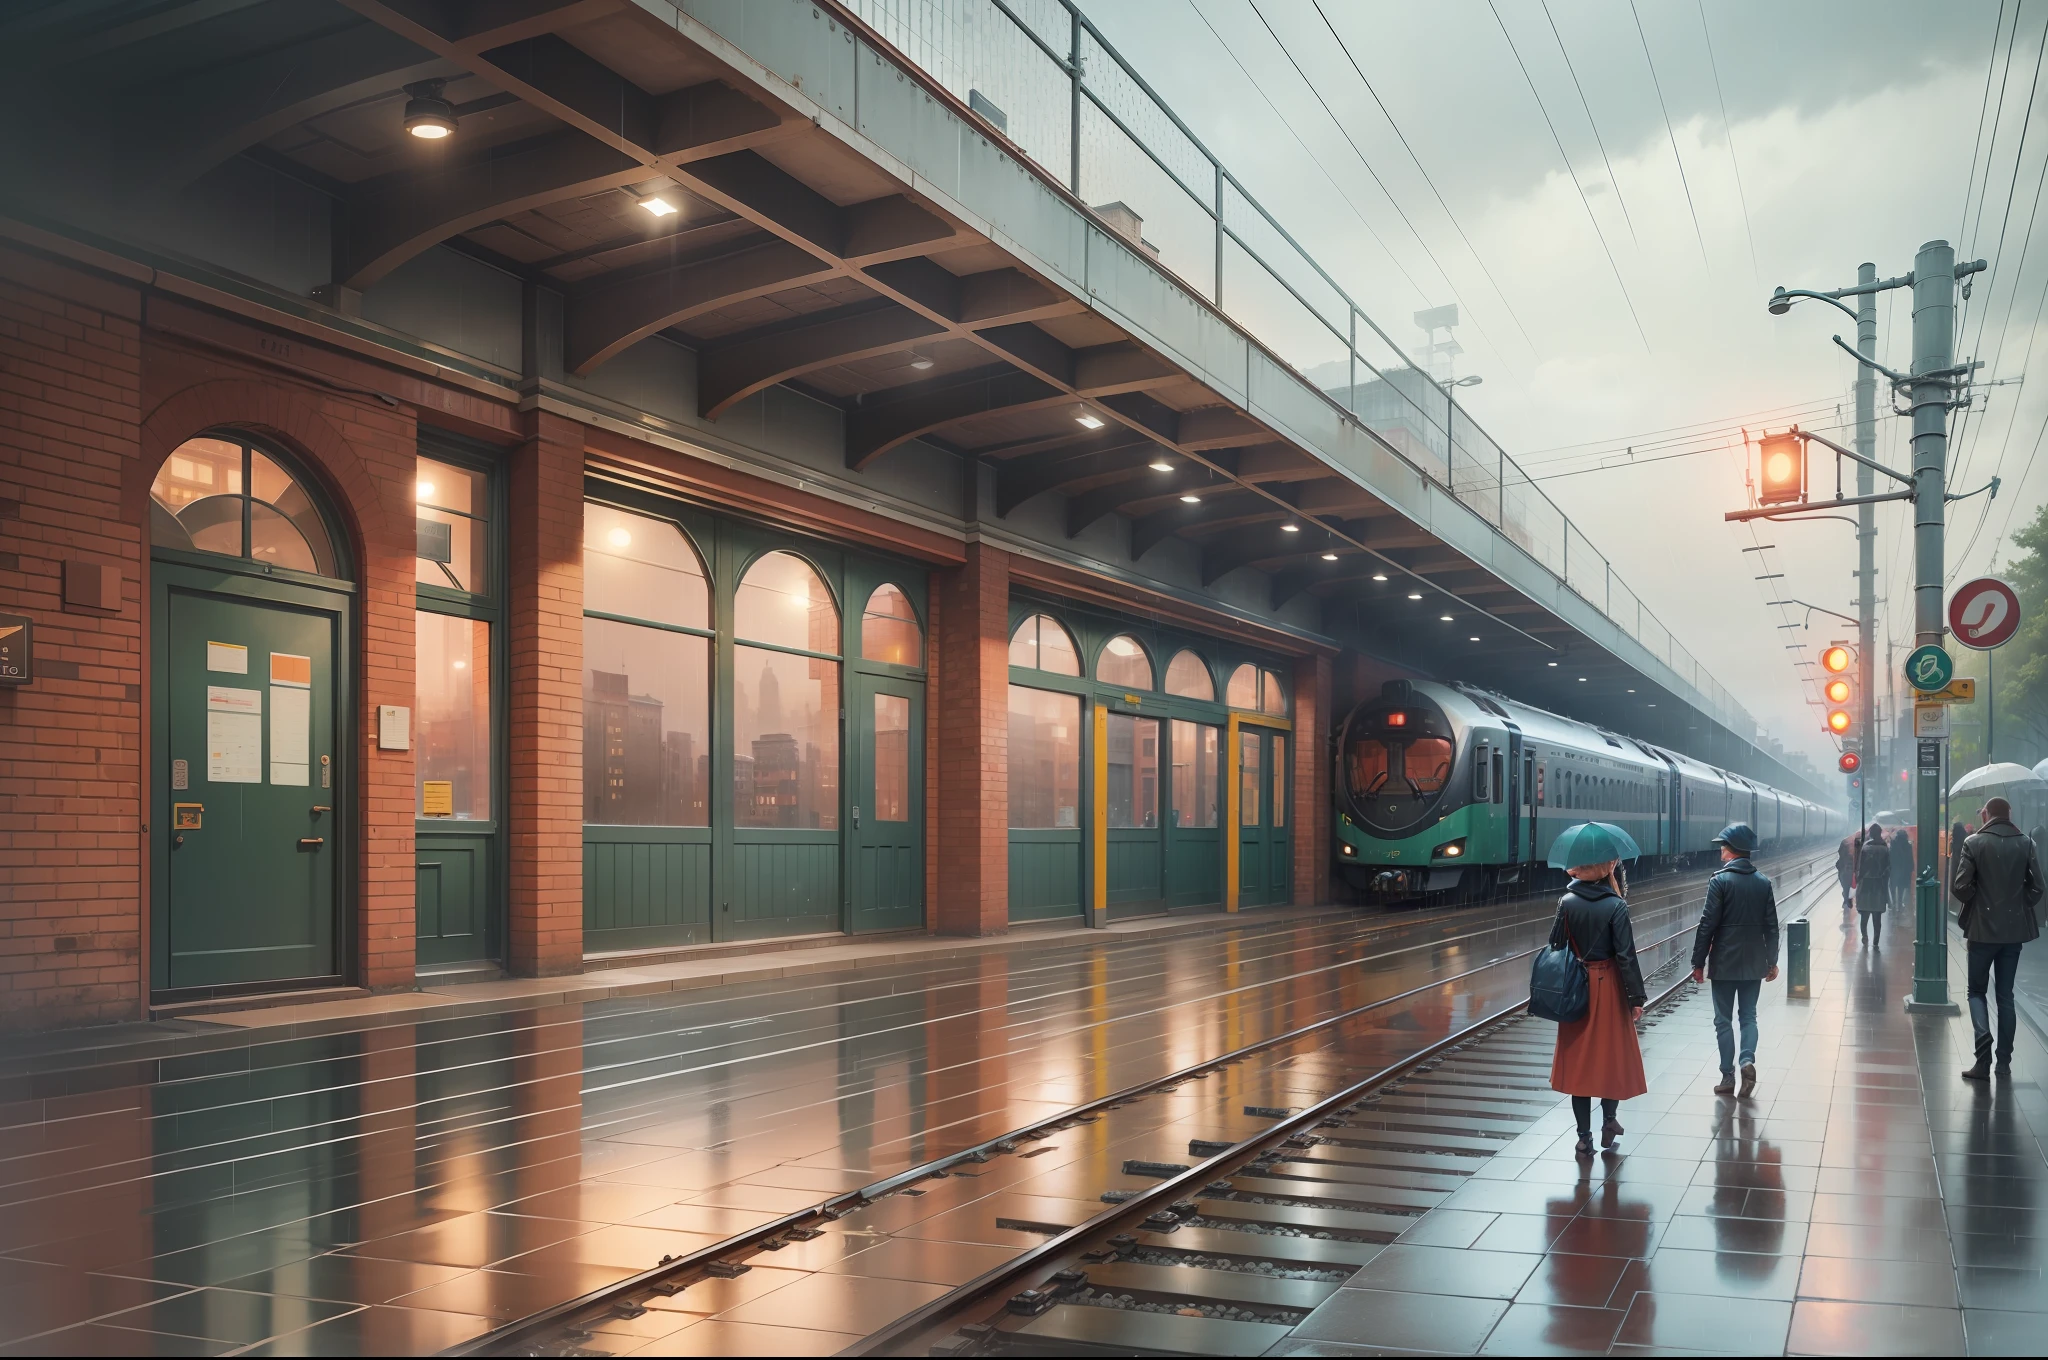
<point>1865,1201</point>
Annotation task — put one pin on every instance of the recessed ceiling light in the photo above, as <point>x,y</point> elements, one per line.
<point>1191,499</point>
<point>1445,617</point>
<point>1329,557</point>
<point>1379,576</point>
<point>1157,464</point>
<point>1290,528</point>
<point>428,116</point>
<point>658,205</point>
<point>1414,594</point>
<point>1582,679</point>
<point>1472,639</point>
<point>1631,691</point>
<point>1088,420</point>
<point>920,362</point>
<point>1553,665</point>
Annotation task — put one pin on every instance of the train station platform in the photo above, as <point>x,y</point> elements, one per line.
<point>1865,1201</point>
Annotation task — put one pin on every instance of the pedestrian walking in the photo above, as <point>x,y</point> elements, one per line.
<point>1598,1056</point>
<point>1873,884</point>
<point>1902,868</point>
<point>1998,881</point>
<point>1737,945</point>
<point>1845,870</point>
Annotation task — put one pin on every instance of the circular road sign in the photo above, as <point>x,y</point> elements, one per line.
<point>1984,614</point>
<point>1929,668</point>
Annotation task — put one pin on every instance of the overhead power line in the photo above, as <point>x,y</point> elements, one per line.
<point>1677,159</point>
<point>1983,108</point>
<point>1785,411</point>
<point>1728,132</point>
<point>1571,174</point>
<point>1612,179</point>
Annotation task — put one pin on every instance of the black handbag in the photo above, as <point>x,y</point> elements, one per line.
<point>1557,982</point>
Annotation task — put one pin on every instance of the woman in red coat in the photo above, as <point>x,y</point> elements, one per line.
<point>1598,1055</point>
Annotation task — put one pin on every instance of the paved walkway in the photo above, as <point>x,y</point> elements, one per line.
<point>1865,1202</point>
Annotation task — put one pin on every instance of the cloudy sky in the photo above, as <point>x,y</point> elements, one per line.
<point>1612,294</point>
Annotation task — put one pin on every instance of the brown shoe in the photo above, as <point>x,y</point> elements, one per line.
<point>1725,1086</point>
<point>1748,1081</point>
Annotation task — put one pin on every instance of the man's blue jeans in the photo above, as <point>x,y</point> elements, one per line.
<point>1727,995</point>
<point>1991,970</point>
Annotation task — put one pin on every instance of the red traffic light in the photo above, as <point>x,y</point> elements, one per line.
<point>1835,659</point>
<point>1849,763</point>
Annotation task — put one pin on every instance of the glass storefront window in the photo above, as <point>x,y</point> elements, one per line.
<point>1133,771</point>
<point>449,506</point>
<point>452,761</point>
<point>1045,759</point>
<point>1189,678</point>
<point>1272,695</point>
<point>1250,780</point>
<point>1194,773</point>
<point>642,567</point>
<point>889,631</point>
<point>646,726</point>
<point>198,503</point>
<point>1243,691</point>
<point>1123,663</point>
<point>1279,794</point>
<point>892,758</point>
<point>783,601</point>
<point>1041,644</point>
<point>785,764</point>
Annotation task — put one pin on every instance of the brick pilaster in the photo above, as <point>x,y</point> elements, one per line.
<point>1312,775</point>
<point>971,812</point>
<point>545,699</point>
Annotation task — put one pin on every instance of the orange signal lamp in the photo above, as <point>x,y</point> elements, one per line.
<point>1784,470</point>
<point>1838,721</point>
<point>1838,691</point>
<point>1835,660</point>
<point>1849,763</point>
<point>1397,720</point>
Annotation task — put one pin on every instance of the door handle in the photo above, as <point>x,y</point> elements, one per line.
<point>319,808</point>
<point>177,841</point>
<point>311,842</point>
<point>856,818</point>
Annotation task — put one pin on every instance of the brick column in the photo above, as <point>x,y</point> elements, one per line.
<point>1312,779</point>
<point>970,817</point>
<point>545,774</point>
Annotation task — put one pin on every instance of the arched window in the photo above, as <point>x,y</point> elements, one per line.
<point>224,495</point>
<point>1189,678</point>
<point>889,630</point>
<point>1123,662</point>
<point>1041,644</point>
<point>783,602</point>
<point>643,568</point>
<point>1253,688</point>
<point>646,682</point>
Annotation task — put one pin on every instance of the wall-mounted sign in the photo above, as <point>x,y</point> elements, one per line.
<point>17,649</point>
<point>394,727</point>
<point>437,798</point>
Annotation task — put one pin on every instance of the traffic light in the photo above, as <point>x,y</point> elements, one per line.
<point>1849,763</point>
<point>1837,690</point>
<point>1838,720</point>
<point>1784,470</point>
<point>1835,659</point>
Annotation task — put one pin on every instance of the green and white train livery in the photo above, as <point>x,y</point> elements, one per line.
<point>1449,790</point>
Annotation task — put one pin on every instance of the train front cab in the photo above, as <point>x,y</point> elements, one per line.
<point>1422,795</point>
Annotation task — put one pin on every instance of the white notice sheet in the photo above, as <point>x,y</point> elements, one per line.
<point>231,657</point>
<point>291,714</point>
<point>234,735</point>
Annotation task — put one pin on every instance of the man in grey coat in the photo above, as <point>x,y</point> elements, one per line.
<point>1737,942</point>
<point>1998,881</point>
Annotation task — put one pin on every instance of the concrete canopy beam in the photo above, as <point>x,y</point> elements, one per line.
<point>736,369</point>
<point>1020,479</point>
<point>619,311</point>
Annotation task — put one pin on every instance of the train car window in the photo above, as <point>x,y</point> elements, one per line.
<point>1427,763</point>
<point>1366,766</point>
<point>1500,777</point>
<point>1481,769</point>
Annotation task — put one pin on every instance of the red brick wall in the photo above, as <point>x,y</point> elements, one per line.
<point>363,452</point>
<point>1312,683</point>
<point>971,644</point>
<point>546,699</point>
<point>70,744</point>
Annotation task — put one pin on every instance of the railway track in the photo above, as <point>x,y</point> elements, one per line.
<point>1208,1244</point>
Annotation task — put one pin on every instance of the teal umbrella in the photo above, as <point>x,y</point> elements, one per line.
<point>1591,843</point>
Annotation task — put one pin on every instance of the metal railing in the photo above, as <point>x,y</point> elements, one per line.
<point>1044,76</point>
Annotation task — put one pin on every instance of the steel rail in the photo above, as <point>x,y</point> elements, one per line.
<point>525,1331</point>
<point>1034,1266</point>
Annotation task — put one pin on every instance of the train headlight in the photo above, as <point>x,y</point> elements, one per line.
<point>1349,851</point>
<point>1449,850</point>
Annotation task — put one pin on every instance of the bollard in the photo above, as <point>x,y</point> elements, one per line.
<point>1797,948</point>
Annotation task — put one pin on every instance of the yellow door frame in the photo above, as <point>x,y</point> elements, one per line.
<point>1233,848</point>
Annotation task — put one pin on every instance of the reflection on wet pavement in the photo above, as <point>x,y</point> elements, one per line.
<point>398,1190</point>
<point>1865,1201</point>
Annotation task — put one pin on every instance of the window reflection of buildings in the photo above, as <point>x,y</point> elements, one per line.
<point>635,772</point>
<point>784,778</point>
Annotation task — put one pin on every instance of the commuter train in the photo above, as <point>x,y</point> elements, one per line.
<point>1449,791</point>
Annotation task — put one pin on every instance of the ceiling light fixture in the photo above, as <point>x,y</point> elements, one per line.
<point>1472,639</point>
<point>920,361</point>
<point>1379,576</point>
<point>428,116</point>
<point>1088,420</point>
<point>1414,594</point>
<point>1553,665</point>
<point>658,205</point>
<point>1290,528</point>
<point>1329,557</point>
<point>1191,499</point>
<point>1582,679</point>
<point>619,538</point>
<point>1445,617</point>
<point>425,491</point>
<point>1160,465</point>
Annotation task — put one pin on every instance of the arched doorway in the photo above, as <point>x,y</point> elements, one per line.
<point>251,683</point>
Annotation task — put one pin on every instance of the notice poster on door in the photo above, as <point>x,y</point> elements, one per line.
<point>234,735</point>
<point>231,657</point>
<point>291,719</point>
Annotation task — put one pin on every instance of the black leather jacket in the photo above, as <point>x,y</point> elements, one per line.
<point>1593,919</point>
<point>1738,936</point>
<point>1998,881</point>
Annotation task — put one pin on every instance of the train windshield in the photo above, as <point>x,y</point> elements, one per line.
<point>1397,763</point>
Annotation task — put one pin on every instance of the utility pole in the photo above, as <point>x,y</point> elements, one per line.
<point>1931,386</point>
<point>1866,536</point>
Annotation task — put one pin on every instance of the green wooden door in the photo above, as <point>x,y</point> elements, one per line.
<point>1265,850</point>
<point>1134,798</point>
<point>1194,836</point>
<point>887,814</point>
<point>247,786</point>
